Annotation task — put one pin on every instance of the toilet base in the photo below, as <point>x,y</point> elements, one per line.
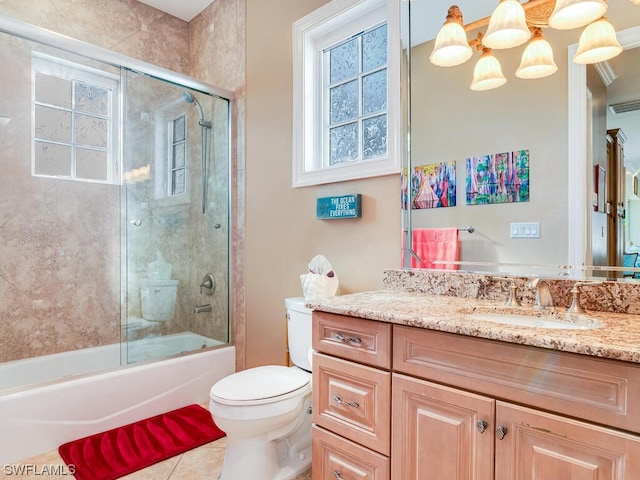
<point>259,458</point>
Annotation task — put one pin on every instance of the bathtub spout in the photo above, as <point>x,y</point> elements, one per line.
<point>202,308</point>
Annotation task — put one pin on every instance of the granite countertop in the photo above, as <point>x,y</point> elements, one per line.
<point>616,337</point>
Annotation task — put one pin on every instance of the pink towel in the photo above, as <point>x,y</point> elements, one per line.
<point>435,244</point>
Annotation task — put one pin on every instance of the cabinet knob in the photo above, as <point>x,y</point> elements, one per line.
<point>482,425</point>
<point>337,475</point>
<point>344,338</point>
<point>501,432</point>
<point>342,402</point>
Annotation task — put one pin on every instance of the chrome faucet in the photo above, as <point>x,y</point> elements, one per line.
<point>543,294</point>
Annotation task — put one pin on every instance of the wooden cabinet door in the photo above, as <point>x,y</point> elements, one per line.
<point>436,434</point>
<point>543,446</point>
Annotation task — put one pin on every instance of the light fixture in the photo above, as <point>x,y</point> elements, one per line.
<point>570,14</point>
<point>4,121</point>
<point>451,45</point>
<point>537,59</point>
<point>507,26</point>
<point>487,73</point>
<point>597,43</point>
<point>512,24</point>
<point>635,2</point>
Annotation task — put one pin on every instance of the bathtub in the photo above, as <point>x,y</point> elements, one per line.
<point>38,418</point>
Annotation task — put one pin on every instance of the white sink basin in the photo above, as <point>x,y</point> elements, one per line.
<point>530,321</point>
<point>532,318</point>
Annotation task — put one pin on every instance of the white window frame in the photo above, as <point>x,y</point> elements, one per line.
<point>62,68</point>
<point>323,28</point>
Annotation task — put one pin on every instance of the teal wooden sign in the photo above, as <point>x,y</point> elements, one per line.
<point>344,206</point>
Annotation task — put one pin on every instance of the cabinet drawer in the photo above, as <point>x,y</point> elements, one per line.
<point>364,341</point>
<point>335,457</point>
<point>352,400</point>
<point>582,386</point>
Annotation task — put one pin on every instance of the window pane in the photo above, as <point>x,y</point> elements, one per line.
<point>374,92</point>
<point>374,136</point>
<point>91,131</point>
<point>178,129</point>
<point>374,48</point>
<point>52,159</point>
<point>344,102</point>
<point>52,124</point>
<point>178,182</point>
<point>53,90</point>
<point>92,99</point>
<point>91,164</point>
<point>343,61</point>
<point>178,155</point>
<point>343,143</point>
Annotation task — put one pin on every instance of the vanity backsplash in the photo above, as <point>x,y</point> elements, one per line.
<point>615,297</point>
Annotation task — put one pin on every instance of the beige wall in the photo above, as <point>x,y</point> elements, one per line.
<point>282,233</point>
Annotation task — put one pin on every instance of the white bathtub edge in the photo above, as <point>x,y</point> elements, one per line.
<point>40,419</point>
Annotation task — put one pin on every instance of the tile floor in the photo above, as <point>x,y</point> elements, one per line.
<point>202,463</point>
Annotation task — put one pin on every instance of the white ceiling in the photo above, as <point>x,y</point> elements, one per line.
<point>183,9</point>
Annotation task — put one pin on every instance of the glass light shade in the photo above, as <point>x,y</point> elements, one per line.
<point>576,13</point>
<point>537,59</point>
<point>451,46</point>
<point>597,43</point>
<point>635,2</point>
<point>487,73</point>
<point>507,26</point>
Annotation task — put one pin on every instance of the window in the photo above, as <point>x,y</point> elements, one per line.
<point>346,92</point>
<point>74,121</point>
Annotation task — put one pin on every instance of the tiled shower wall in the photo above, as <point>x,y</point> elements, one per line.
<point>60,240</point>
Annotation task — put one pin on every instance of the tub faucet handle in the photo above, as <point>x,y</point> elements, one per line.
<point>208,284</point>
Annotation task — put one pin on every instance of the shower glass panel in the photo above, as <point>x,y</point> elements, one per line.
<point>176,200</point>
<point>101,210</point>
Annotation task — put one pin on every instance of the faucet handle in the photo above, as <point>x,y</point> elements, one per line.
<point>575,306</point>
<point>512,300</point>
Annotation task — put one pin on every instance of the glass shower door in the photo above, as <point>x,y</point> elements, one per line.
<point>176,219</point>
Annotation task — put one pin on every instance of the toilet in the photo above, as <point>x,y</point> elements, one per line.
<point>158,299</point>
<point>266,411</point>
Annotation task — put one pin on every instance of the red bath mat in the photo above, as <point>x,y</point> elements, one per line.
<point>118,452</point>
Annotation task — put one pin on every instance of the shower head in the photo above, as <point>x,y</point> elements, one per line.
<point>191,99</point>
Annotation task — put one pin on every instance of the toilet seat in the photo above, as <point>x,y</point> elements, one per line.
<point>261,385</point>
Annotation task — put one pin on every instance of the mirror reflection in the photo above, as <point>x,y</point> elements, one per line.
<point>538,164</point>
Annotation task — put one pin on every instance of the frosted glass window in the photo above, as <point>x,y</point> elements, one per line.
<point>357,89</point>
<point>344,61</point>
<point>178,156</point>
<point>375,136</point>
<point>374,48</point>
<point>374,92</point>
<point>346,92</point>
<point>343,144</point>
<point>344,102</point>
<point>74,121</point>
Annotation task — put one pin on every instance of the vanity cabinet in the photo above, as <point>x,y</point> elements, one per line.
<point>442,430</point>
<point>351,398</point>
<point>398,402</point>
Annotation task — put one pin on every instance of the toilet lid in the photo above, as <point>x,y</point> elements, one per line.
<point>260,383</point>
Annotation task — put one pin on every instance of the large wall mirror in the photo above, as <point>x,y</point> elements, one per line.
<point>570,208</point>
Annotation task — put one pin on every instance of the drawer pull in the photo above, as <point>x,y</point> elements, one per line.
<point>501,432</point>
<point>342,338</point>
<point>348,404</point>
<point>482,425</point>
<point>337,475</point>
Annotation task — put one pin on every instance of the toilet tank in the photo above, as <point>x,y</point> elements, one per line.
<point>299,332</point>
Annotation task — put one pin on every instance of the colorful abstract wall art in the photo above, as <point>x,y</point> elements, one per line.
<point>432,186</point>
<point>498,178</point>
